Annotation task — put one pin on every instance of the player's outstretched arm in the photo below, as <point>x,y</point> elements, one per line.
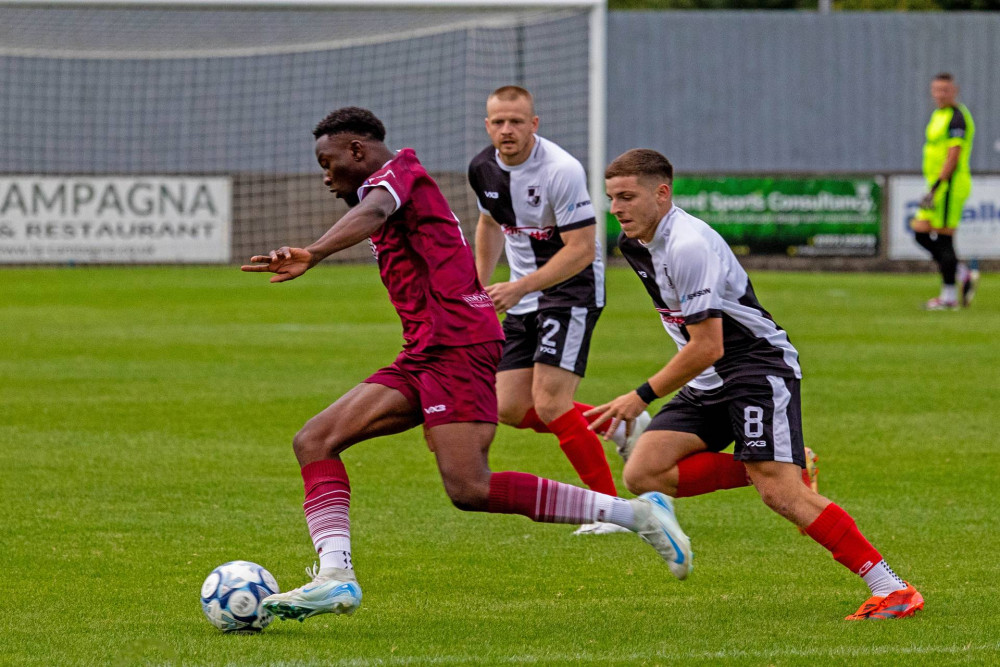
<point>577,253</point>
<point>703,349</point>
<point>286,262</point>
<point>358,224</point>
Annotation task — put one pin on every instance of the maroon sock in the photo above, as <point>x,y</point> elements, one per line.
<point>545,500</point>
<point>327,504</point>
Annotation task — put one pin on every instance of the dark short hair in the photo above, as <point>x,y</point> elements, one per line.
<point>511,93</point>
<point>351,120</point>
<point>641,162</point>
<point>944,76</point>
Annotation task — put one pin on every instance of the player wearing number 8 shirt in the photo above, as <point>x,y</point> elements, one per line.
<point>443,380</point>
<point>738,376</point>
<point>534,204</point>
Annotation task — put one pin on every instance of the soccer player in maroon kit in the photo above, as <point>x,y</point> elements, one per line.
<point>444,379</point>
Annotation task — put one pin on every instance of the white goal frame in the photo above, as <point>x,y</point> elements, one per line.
<point>597,66</point>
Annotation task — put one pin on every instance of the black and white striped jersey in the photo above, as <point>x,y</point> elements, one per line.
<point>534,202</point>
<point>692,275</point>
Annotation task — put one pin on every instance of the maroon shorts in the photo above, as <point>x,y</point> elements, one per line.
<point>447,384</point>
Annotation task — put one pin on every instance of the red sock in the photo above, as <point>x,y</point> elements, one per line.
<point>705,472</point>
<point>584,450</point>
<point>534,422</point>
<point>835,529</point>
<point>583,407</point>
<point>328,500</point>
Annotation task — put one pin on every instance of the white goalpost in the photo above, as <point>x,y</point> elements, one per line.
<point>181,131</point>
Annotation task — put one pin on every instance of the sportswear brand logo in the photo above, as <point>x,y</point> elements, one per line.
<point>534,195</point>
<point>643,274</point>
<point>434,409</point>
<point>579,204</point>
<point>755,443</point>
<point>491,195</point>
<point>656,500</point>
<point>864,568</point>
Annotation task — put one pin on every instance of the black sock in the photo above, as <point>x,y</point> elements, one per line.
<point>931,245</point>
<point>947,259</point>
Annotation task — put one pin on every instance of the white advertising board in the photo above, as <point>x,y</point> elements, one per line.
<point>979,234</point>
<point>114,219</point>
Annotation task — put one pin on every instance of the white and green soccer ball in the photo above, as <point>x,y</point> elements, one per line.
<point>232,593</point>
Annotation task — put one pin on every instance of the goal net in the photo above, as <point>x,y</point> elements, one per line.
<point>183,133</point>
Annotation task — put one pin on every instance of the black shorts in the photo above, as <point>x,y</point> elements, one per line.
<point>763,417</point>
<point>553,336</point>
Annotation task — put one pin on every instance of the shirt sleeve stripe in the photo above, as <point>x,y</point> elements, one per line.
<point>382,184</point>
<point>579,224</point>
<point>701,316</point>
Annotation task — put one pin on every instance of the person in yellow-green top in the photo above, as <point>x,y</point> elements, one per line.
<point>946,168</point>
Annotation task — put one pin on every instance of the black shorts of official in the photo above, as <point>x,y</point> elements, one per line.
<point>763,416</point>
<point>553,336</point>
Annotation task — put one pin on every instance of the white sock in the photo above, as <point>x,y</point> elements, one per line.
<point>882,580</point>
<point>335,552</point>
<point>621,513</point>
<point>949,293</point>
<point>620,432</point>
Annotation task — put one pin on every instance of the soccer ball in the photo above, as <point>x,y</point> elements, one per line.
<point>231,597</point>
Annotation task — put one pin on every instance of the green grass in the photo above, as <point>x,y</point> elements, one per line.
<point>145,437</point>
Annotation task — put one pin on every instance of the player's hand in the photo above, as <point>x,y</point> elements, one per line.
<point>928,200</point>
<point>625,408</point>
<point>505,295</point>
<point>287,263</point>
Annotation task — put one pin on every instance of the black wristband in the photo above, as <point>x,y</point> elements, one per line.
<point>646,393</point>
<point>935,185</point>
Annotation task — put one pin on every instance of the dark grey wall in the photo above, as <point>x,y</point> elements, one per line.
<point>715,91</point>
<point>778,91</point>
<point>167,91</point>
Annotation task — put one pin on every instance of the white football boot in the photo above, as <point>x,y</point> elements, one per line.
<point>656,524</point>
<point>332,591</point>
<point>626,443</point>
<point>600,528</point>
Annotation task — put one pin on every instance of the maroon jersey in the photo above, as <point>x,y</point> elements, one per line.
<point>426,264</point>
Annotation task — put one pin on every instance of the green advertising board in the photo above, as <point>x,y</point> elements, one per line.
<point>788,216</point>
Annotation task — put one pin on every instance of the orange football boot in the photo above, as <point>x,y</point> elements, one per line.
<point>898,604</point>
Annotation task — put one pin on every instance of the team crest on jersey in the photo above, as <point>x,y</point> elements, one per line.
<point>534,195</point>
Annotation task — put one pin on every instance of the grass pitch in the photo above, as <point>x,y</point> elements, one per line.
<point>147,417</point>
